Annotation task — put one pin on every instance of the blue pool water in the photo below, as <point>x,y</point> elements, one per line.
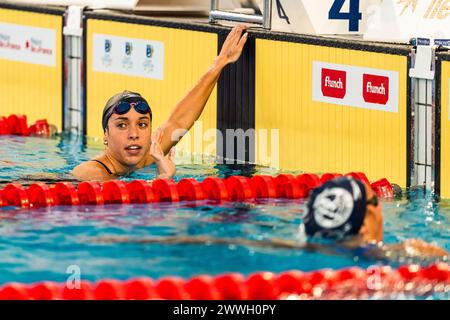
<point>42,244</point>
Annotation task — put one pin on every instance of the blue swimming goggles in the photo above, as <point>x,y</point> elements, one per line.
<point>123,107</point>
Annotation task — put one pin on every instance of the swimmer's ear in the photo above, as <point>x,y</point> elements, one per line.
<point>105,136</point>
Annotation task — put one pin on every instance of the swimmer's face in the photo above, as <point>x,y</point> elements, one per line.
<point>372,228</point>
<point>128,136</point>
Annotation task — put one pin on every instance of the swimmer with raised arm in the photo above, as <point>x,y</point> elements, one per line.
<point>127,124</point>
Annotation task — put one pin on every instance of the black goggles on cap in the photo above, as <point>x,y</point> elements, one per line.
<point>123,107</point>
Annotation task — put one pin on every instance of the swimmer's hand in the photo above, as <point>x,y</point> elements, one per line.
<point>415,248</point>
<point>164,164</point>
<point>233,45</point>
<point>424,249</point>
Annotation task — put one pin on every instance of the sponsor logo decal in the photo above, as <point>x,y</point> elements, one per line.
<point>375,89</point>
<point>334,83</point>
<point>360,87</point>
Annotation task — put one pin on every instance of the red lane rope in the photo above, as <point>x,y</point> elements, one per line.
<point>234,188</point>
<point>16,124</point>
<point>235,286</point>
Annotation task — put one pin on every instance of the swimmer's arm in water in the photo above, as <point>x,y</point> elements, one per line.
<point>164,164</point>
<point>387,252</point>
<point>205,240</point>
<point>189,109</point>
<point>416,248</point>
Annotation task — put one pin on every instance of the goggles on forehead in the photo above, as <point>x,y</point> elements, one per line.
<point>123,107</point>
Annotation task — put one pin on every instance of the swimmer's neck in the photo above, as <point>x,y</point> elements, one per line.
<point>120,169</point>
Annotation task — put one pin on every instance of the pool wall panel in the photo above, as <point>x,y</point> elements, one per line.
<point>187,56</point>
<point>445,130</point>
<point>236,107</point>
<point>35,90</point>
<point>324,137</point>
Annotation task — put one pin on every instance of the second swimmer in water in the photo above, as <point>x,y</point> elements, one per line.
<point>345,211</point>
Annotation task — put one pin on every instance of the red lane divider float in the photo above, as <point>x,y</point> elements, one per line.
<point>308,180</point>
<point>215,189</point>
<point>239,188</point>
<point>383,188</point>
<point>289,188</point>
<point>40,195</point>
<point>235,286</point>
<point>90,193</point>
<point>115,191</point>
<point>15,195</point>
<point>165,190</point>
<point>140,192</point>
<point>235,188</point>
<point>263,186</point>
<point>359,175</point>
<point>65,193</point>
<point>16,124</point>
<point>328,176</point>
<point>190,190</point>
<point>4,126</point>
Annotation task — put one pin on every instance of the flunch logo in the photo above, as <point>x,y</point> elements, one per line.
<point>334,83</point>
<point>375,89</point>
<point>360,87</point>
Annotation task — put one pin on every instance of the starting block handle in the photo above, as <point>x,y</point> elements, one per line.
<point>265,19</point>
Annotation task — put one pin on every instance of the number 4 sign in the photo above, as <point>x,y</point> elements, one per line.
<point>353,15</point>
<point>321,17</point>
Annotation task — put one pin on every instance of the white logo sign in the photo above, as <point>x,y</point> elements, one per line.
<point>127,56</point>
<point>401,20</point>
<point>28,44</point>
<point>357,87</point>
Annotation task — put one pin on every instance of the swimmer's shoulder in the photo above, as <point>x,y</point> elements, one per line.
<point>90,170</point>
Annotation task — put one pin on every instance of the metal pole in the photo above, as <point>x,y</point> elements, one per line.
<point>423,120</point>
<point>214,7</point>
<point>267,14</point>
<point>73,37</point>
<point>239,17</point>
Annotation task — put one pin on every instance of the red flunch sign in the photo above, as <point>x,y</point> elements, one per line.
<point>334,83</point>
<point>375,89</point>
